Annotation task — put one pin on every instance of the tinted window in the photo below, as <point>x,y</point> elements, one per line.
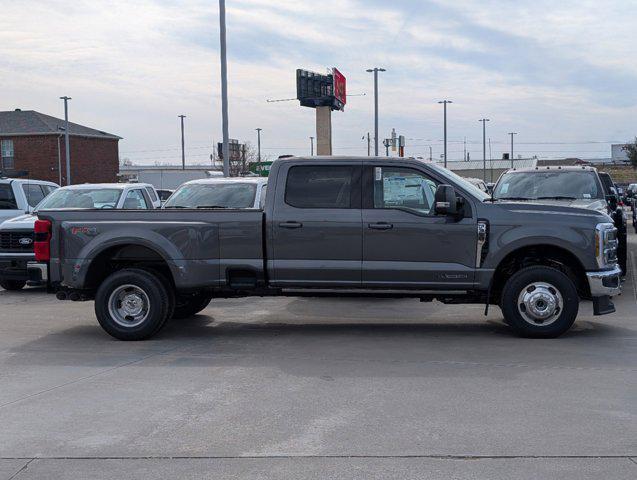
<point>151,192</point>
<point>7,199</point>
<point>319,186</point>
<point>33,193</point>
<point>164,194</point>
<point>213,195</point>
<point>548,184</point>
<point>403,188</point>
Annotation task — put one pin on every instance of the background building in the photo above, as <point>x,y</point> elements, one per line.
<point>165,176</point>
<point>32,145</point>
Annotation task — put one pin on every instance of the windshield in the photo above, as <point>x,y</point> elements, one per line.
<point>81,198</point>
<point>217,195</point>
<point>464,183</point>
<point>548,185</point>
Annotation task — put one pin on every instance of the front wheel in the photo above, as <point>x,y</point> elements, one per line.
<point>540,302</point>
<point>12,284</point>
<point>132,304</point>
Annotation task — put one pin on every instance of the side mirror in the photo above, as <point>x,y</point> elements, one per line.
<point>446,203</point>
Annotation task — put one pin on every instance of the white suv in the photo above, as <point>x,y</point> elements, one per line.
<point>19,196</point>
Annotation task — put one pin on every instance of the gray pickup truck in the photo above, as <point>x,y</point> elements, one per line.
<point>336,226</point>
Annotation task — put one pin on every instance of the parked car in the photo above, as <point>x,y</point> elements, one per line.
<point>16,234</point>
<point>164,194</point>
<point>237,192</point>
<point>336,226</point>
<point>18,195</point>
<point>576,186</point>
<point>480,184</point>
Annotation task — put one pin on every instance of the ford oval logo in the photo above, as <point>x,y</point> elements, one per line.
<point>25,241</point>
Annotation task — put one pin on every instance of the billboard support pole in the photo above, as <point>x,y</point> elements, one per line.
<point>324,130</point>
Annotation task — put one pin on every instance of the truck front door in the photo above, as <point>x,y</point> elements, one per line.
<point>405,244</point>
<point>315,229</point>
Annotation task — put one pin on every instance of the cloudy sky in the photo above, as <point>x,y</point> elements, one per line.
<point>562,74</point>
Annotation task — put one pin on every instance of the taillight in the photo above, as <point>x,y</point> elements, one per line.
<point>42,240</point>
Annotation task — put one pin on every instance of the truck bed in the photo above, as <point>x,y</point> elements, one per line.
<point>203,247</point>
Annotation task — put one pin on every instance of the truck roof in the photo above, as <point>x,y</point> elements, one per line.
<point>120,186</point>
<point>25,180</point>
<point>211,181</point>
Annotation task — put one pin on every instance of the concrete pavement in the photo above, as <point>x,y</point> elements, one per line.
<point>316,388</point>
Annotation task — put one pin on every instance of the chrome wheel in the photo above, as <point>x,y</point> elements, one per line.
<point>540,303</point>
<point>128,306</point>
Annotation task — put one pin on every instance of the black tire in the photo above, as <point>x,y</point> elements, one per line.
<point>188,305</point>
<point>545,281</point>
<point>12,285</point>
<point>132,282</point>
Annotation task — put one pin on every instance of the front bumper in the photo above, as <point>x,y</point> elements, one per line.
<point>13,266</point>
<point>38,272</point>
<point>605,282</point>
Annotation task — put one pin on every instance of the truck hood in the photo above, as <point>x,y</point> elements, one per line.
<point>583,207</point>
<point>23,222</point>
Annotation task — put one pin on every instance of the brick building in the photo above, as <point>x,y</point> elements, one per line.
<point>32,145</point>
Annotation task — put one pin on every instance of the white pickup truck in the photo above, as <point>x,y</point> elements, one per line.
<point>19,196</point>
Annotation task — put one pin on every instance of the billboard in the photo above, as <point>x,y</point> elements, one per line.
<point>318,90</point>
<point>340,88</point>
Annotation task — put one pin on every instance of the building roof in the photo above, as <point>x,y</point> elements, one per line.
<point>30,122</point>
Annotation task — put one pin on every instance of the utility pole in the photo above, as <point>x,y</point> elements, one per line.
<point>183,151</point>
<point>258,150</point>
<point>67,148</point>
<point>430,154</point>
<point>375,70</point>
<point>224,88</point>
<point>312,146</point>
<point>445,102</point>
<point>464,155</point>
<point>369,145</point>
<point>484,148</point>
<point>512,133</point>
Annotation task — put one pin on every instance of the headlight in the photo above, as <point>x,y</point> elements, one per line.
<point>606,245</point>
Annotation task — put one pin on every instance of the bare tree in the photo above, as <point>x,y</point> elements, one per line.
<point>240,165</point>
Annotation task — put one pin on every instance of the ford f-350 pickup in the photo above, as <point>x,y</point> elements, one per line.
<point>336,226</point>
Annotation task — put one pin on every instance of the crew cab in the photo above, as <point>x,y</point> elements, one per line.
<point>16,234</point>
<point>336,226</point>
<point>19,195</point>
<point>574,186</point>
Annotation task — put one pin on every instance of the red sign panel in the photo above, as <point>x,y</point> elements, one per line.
<point>340,90</point>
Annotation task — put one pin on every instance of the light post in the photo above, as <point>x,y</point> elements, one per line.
<point>66,139</point>
<point>445,102</point>
<point>375,70</point>
<point>224,88</point>
<point>512,133</point>
<point>183,151</point>
<point>311,146</point>
<point>258,149</point>
<point>484,148</point>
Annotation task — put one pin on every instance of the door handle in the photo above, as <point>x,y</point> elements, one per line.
<point>380,226</point>
<point>290,224</point>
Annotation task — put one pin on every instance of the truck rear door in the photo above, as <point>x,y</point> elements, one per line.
<point>315,228</point>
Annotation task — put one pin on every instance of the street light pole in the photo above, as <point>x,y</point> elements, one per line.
<point>224,89</point>
<point>311,146</point>
<point>445,102</point>
<point>484,148</point>
<point>183,152</point>
<point>512,133</point>
<point>375,70</point>
<point>66,139</point>
<point>258,149</point>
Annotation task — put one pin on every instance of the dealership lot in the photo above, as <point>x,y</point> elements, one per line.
<point>316,388</point>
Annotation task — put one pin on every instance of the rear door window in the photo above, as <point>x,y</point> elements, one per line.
<point>321,186</point>
<point>135,201</point>
<point>7,199</point>
<point>34,193</point>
